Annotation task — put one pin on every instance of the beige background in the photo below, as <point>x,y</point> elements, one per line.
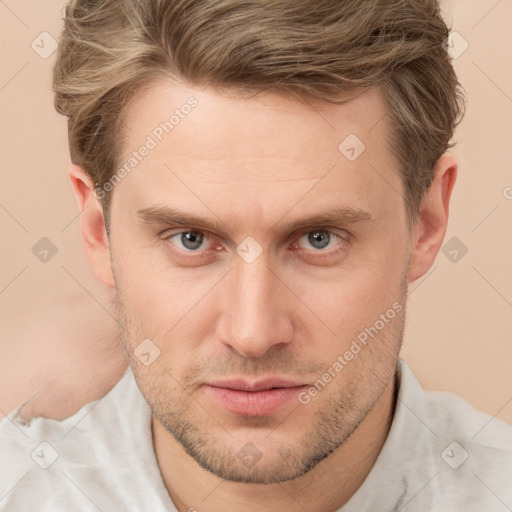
<point>56,318</point>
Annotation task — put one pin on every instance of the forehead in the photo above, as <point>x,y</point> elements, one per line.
<point>254,150</point>
<point>221,114</point>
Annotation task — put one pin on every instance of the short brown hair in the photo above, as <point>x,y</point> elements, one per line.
<point>111,49</point>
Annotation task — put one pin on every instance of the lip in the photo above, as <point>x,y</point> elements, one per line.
<point>260,385</point>
<point>261,398</point>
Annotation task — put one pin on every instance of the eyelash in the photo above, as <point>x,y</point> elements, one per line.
<point>318,254</point>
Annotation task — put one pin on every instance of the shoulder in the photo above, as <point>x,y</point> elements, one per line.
<point>449,412</point>
<point>84,462</point>
<point>446,413</point>
<point>469,452</point>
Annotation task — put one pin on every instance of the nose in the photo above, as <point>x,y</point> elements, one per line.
<point>256,309</point>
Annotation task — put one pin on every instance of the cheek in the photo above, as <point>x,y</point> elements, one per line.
<point>163,303</point>
<point>353,297</point>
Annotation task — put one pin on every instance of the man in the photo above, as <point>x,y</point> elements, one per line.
<point>260,182</point>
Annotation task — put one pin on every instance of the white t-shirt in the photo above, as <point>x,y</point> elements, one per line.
<point>441,455</point>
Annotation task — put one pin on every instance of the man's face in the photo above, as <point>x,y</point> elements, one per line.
<point>259,296</point>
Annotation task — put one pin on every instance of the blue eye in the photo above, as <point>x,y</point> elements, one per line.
<point>317,246</point>
<point>320,238</point>
<point>189,240</point>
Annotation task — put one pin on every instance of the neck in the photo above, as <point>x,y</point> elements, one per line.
<point>328,486</point>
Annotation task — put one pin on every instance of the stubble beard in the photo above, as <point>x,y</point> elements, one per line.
<point>336,417</point>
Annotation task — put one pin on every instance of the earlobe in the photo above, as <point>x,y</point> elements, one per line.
<point>430,229</point>
<point>92,224</point>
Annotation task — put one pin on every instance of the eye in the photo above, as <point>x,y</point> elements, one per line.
<point>320,239</point>
<point>319,246</point>
<point>322,246</point>
<point>189,241</point>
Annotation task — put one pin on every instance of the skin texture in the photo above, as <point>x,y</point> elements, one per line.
<point>255,165</point>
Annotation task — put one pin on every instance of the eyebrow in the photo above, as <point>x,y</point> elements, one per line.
<point>336,216</point>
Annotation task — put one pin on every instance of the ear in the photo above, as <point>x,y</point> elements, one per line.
<point>430,228</point>
<point>92,224</point>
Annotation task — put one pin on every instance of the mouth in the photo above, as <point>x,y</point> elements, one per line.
<point>261,398</point>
